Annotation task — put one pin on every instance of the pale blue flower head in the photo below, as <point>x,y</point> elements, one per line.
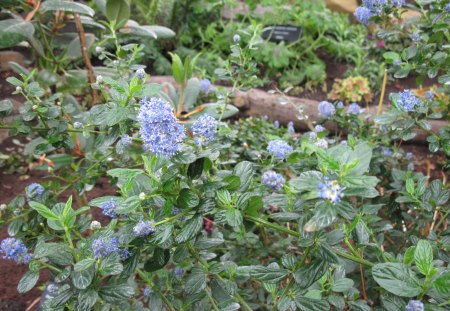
<point>272,180</point>
<point>407,101</point>
<point>160,132</point>
<point>354,109</point>
<point>102,247</point>
<point>415,305</point>
<point>279,149</point>
<point>205,86</point>
<point>140,74</point>
<point>236,38</point>
<point>204,129</point>
<point>330,190</point>
<point>35,191</point>
<point>144,228</point>
<point>14,249</point>
<point>109,208</point>
<point>326,109</point>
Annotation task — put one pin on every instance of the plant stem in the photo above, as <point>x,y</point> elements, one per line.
<point>50,267</point>
<point>69,240</point>
<point>163,297</point>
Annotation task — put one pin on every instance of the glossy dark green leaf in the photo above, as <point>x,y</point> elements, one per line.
<point>160,258</point>
<point>28,281</point>
<point>397,279</point>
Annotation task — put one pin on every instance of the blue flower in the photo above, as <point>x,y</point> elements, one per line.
<point>14,249</point>
<point>35,191</point>
<point>160,132</point>
<point>147,291</point>
<point>205,86</point>
<point>398,3</point>
<point>124,253</point>
<point>326,109</point>
<point>415,37</point>
<point>387,152</point>
<point>109,208</point>
<point>143,228</point>
<point>319,128</point>
<point>363,15</point>
<point>272,180</point>
<point>276,124</point>
<point>140,74</point>
<point>354,109</point>
<point>415,305</point>
<point>447,8</point>
<point>375,6</point>
<point>321,143</point>
<point>429,95</point>
<point>340,105</point>
<point>203,130</point>
<point>409,156</point>
<point>265,118</point>
<point>178,271</point>
<point>290,128</point>
<point>397,62</point>
<point>330,190</point>
<point>236,38</point>
<point>77,125</point>
<point>279,148</point>
<point>102,247</point>
<point>407,101</point>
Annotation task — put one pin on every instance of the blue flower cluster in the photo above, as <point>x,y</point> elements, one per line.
<point>203,130</point>
<point>326,109</point>
<point>140,74</point>
<point>279,149</point>
<point>429,95</point>
<point>102,247</point>
<point>272,180</point>
<point>291,128</point>
<point>447,8</point>
<point>160,132</point>
<point>415,305</point>
<point>416,37</point>
<point>109,208</point>
<point>407,101</point>
<point>123,143</point>
<point>147,291</point>
<point>35,191</point>
<point>236,38</point>
<point>276,124</point>
<point>178,271</point>
<point>143,228</point>
<point>354,109</point>
<point>330,190</point>
<point>372,8</point>
<point>205,86</point>
<point>14,249</point>
<point>319,128</point>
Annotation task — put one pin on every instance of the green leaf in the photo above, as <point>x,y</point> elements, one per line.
<point>43,210</point>
<point>309,304</point>
<point>57,253</point>
<point>192,227</point>
<point>397,279</point>
<point>196,282</point>
<point>73,49</point>
<point>178,69</point>
<point>409,255</point>
<point>111,265</point>
<point>191,93</point>
<point>187,199</point>
<point>268,274</point>
<point>409,52</point>
<point>233,217</point>
<point>195,169</point>
<point>84,264</point>
<point>244,170</point>
<point>307,275</point>
<point>342,285</point>
<point>14,31</point>
<point>324,215</point>
<point>28,281</point>
<point>307,181</point>
<point>82,279</point>
<point>116,293</point>
<point>124,173</point>
<point>66,6</point>
<point>160,258</point>
<point>117,10</point>
<point>87,299</point>
<point>423,257</point>
<point>67,207</point>
<point>215,110</point>
<point>442,284</point>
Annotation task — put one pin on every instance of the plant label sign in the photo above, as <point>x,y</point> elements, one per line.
<point>278,33</point>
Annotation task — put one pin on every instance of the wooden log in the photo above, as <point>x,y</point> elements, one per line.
<point>302,112</point>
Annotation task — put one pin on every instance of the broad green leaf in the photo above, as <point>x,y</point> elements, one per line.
<point>82,279</point>
<point>117,10</point>
<point>233,217</point>
<point>307,181</point>
<point>423,257</point>
<point>87,299</point>
<point>14,31</point>
<point>192,227</point>
<point>191,93</point>
<point>309,304</point>
<point>111,265</point>
<point>442,284</point>
<point>244,170</point>
<point>310,273</point>
<point>84,264</point>
<point>66,6</point>
<point>28,281</point>
<point>160,258</point>
<point>187,199</point>
<point>43,210</point>
<point>269,274</point>
<point>215,110</point>
<point>342,285</point>
<point>116,293</point>
<point>324,215</point>
<point>397,279</point>
<point>196,282</point>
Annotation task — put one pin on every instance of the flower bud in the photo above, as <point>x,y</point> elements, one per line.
<point>142,196</point>
<point>18,89</point>
<point>99,79</point>
<point>95,225</point>
<point>2,207</point>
